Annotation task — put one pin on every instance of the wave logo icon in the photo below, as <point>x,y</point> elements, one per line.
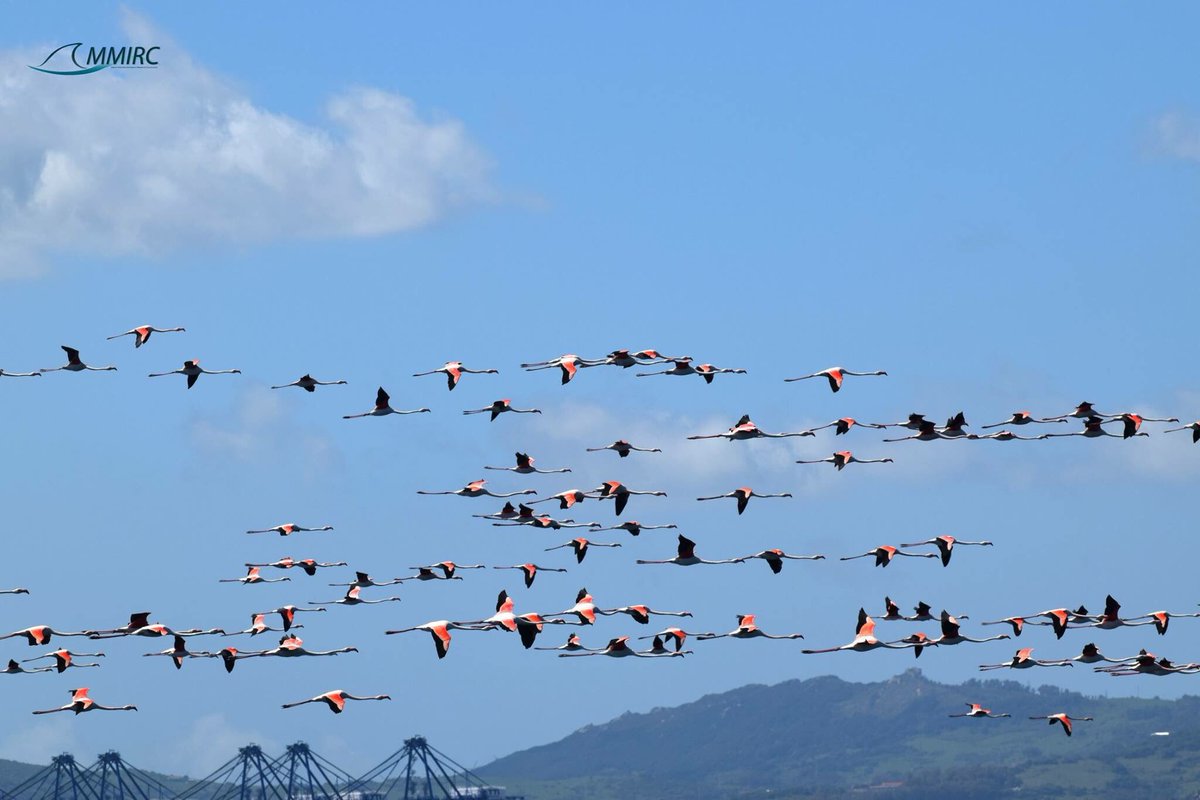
<point>98,58</point>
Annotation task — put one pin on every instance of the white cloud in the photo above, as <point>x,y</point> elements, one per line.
<point>146,162</point>
<point>1178,135</point>
<point>207,744</point>
<point>39,741</point>
<point>259,429</point>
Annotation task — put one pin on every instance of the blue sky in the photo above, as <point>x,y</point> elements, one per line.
<point>997,208</point>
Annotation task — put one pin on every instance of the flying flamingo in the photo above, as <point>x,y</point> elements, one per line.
<point>683,366</point>
<point>156,630</point>
<point>747,629</point>
<point>844,425</point>
<point>499,407</point>
<point>864,638</point>
<point>1146,663</point>
<point>336,700</point>
<point>580,545</point>
<point>584,609</point>
<point>619,648</point>
<point>142,333</point>
<point>573,644</point>
<point>568,364</point>
<point>844,457</point>
<point>383,408</point>
<point>453,370</point>
<point>1194,427</point>
<point>953,429</point>
<point>927,431</point>
<point>675,635</point>
<point>352,598</point>
<point>1092,655</point>
<point>565,499</point>
<point>363,580</point>
<point>288,528</point>
<point>525,467</point>
<point>640,614</point>
<point>1111,618</point>
<point>14,668</point>
<point>507,512</point>
<point>615,490</point>
<point>530,625</point>
<point>258,624</point>
<point>546,523</point>
<point>1133,422</point>
<point>743,495</point>
<point>774,558</point>
<point>924,613</point>
<point>918,641</point>
<point>1016,623</point>
<point>18,590</point>
<point>945,546</point>
<point>1064,720</point>
<point>80,702</point>
<point>64,660</point>
<point>623,448</point>
<point>4,374</point>
<point>308,383</point>
<point>635,528</point>
<point>137,621</point>
<point>178,652</point>
<point>951,636</point>
<point>1060,618</point>
<point>193,371</point>
<point>530,571</point>
<point>979,711</point>
<point>915,422</point>
<point>40,634</point>
<point>1021,418</point>
<point>745,429</point>
<point>1162,619</point>
<point>287,614</point>
<point>884,554</point>
<point>504,619</point>
<point>835,376</point>
<point>439,629</point>
<point>891,611</point>
<point>75,365</point>
<point>1004,436</point>
<point>657,648</point>
<point>625,358</point>
<point>252,576</point>
<point>292,646</point>
<point>685,556</point>
<point>1081,411</point>
<point>475,489</point>
<point>1023,659</point>
<point>448,568</point>
<point>309,565</point>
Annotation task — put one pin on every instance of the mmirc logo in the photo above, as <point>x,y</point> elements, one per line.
<point>98,58</point>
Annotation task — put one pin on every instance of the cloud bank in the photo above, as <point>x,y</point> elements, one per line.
<point>147,162</point>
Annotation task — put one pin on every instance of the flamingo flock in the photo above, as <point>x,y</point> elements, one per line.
<point>668,643</point>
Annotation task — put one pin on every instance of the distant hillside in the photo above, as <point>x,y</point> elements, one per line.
<point>820,737</point>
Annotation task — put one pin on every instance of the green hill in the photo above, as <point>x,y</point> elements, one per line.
<point>822,737</point>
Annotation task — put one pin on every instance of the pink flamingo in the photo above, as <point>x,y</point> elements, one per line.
<point>843,458</point>
<point>383,407</point>
<point>884,554</point>
<point>835,376</point>
<point>743,495</point>
<point>685,556</point>
<point>454,370</point>
<point>475,489</point>
<point>336,700</point>
<point>945,546</point>
<point>142,334</point>
<point>499,407</point>
<point>623,448</point>
<point>80,702</point>
<point>747,629</point>
<point>308,383</point>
